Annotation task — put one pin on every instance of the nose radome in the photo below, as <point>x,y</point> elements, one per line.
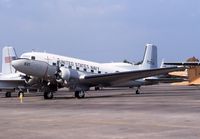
<point>17,64</point>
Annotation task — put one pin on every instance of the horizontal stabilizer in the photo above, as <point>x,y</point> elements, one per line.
<point>184,64</point>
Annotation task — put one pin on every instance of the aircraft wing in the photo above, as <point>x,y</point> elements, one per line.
<point>113,78</point>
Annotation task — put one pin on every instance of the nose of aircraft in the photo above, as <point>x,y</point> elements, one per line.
<point>17,64</point>
<point>34,68</point>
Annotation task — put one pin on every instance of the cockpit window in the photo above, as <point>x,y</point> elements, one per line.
<point>33,57</point>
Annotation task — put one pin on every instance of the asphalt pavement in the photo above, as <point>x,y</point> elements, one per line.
<point>160,112</point>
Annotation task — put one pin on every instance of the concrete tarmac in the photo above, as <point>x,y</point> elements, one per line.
<point>160,112</point>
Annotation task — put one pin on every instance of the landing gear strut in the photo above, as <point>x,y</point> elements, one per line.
<point>8,94</point>
<point>79,94</point>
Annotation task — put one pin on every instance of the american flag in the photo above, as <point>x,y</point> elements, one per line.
<point>8,59</point>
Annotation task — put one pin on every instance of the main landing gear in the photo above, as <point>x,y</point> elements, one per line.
<point>79,94</point>
<point>49,90</point>
<point>48,95</point>
<point>96,88</point>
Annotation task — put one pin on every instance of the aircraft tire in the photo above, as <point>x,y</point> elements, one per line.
<point>97,88</point>
<point>48,95</point>
<point>137,92</point>
<point>8,94</point>
<point>79,94</point>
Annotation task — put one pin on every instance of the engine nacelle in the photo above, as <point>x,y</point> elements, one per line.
<point>69,74</point>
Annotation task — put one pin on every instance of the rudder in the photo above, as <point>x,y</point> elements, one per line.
<point>8,54</point>
<point>150,57</point>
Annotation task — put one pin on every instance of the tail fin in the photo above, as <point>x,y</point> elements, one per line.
<point>8,55</point>
<point>162,65</point>
<point>150,57</point>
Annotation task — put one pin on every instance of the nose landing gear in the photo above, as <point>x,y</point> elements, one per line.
<point>48,95</point>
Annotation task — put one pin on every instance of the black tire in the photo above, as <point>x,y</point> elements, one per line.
<point>48,95</point>
<point>8,94</point>
<point>79,94</point>
<point>137,92</point>
<point>97,88</point>
<point>20,93</point>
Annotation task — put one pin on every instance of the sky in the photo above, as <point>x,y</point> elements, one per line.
<point>102,30</point>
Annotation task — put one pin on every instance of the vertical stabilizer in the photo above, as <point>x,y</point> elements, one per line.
<point>150,57</point>
<point>162,65</point>
<point>8,54</point>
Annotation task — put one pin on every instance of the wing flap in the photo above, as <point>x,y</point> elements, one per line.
<point>166,80</point>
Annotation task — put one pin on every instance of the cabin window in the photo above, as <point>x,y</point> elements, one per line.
<point>54,64</point>
<point>85,69</point>
<point>92,71</point>
<point>33,57</point>
<point>70,67</point>
<point>62,65</point>
<point>99,72</point>
<point>77,68</point>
